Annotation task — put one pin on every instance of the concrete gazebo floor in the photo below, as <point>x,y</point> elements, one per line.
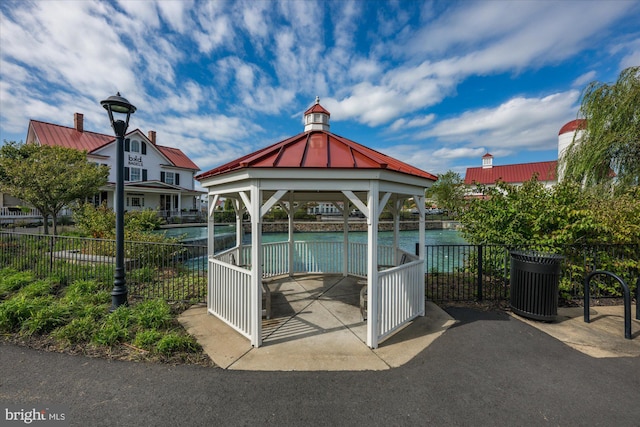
<point>315,325</point>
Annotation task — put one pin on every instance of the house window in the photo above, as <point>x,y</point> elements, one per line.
<point>134,174</point>
<point>137,202</point>
<point>169,177</point>
<point>135,146</point>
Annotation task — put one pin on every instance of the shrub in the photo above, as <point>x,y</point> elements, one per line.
<point>38,288</point>
<point>146,220</point>
<point>13,312</point>
<point>142,275</point>
<point>147,339</point>
<point>115,328</point>
<point>12,280</point>
<point>78,330</point>
<point>174,342</point>
<point>152,314</point>
<point>46,317</point>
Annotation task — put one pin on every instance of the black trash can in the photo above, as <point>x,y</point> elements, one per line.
<point>535,277</point>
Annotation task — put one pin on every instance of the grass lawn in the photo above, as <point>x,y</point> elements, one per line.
<point>75,318</point>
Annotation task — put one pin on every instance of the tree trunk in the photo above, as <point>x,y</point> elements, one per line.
<point>55,224</point>
<point>46,223</point>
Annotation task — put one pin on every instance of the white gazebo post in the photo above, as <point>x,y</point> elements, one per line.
<point>213,201</point>
<point>291,213</point>
<point>421,238</point>
<point>256,263</point>
<point>345,237</point>
<point>372,265</point>
<point>239,211</point>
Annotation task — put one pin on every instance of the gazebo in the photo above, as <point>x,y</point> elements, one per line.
<point>316,166</point>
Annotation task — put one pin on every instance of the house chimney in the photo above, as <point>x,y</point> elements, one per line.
<point>152,136</point>
<point>78,122</point>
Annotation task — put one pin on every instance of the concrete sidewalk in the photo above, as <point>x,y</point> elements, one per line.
<point>316,326</point>
<point>602,337</point>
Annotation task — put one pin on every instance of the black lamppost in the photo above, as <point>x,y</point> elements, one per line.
<point>118,104</point>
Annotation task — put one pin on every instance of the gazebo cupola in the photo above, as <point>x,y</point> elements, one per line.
<point>316,117</point>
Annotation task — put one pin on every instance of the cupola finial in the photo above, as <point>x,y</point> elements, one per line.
<point>317,100</point>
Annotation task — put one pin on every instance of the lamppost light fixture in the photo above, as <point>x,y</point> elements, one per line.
<point>118,104</point>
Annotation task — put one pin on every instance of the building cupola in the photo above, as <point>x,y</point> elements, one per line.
<point>487,161</point>
<point>316,117</point>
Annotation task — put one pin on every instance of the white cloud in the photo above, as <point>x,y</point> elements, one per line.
<point>254,19</point>
<point>175,13</point>
<point>584,79</point>
<point>632,55</point>
<point>402,124</point>
<point>520,123</point>
<point>457,153</point>
<point>144,11</point>
<point>214,27</point>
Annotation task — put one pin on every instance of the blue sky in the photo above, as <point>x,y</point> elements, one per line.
<point>435,84</point>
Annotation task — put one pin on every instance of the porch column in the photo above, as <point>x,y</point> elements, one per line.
<point>372,264</point>
<point>256,264</point>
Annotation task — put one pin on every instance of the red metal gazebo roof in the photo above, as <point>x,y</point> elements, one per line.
<point>317,149</point>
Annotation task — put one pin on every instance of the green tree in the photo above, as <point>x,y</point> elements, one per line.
<point>611,138</point>
<point>48,178</point>
<point>448,191</point>
<point>549,217</point>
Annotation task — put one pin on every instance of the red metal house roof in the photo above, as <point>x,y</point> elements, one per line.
<point>511,173</point>
<point>177,157</point>
<point>56,135</point>
<point>317,149</point>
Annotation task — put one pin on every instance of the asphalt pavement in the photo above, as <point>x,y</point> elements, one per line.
<point>487,369</point>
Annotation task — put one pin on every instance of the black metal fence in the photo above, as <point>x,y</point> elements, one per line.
<point>172,271</point>
<point>477,272</point>
<point>178,272</point>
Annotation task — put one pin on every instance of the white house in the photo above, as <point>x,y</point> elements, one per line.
<point>156,176</point>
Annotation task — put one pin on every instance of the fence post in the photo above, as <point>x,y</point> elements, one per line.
<point>479,293</point>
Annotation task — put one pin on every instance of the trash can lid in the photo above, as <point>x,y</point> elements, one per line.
<point>537,257</point>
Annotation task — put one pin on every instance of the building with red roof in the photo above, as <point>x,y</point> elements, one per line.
<point>547,172</point>
<point>156,176</point>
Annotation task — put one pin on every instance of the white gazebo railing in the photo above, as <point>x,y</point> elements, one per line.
<point>229,293</point>
<point>401,292</point>
<point>400,279</point>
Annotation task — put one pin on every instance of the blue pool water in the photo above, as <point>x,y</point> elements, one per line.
<point>407,239</point>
